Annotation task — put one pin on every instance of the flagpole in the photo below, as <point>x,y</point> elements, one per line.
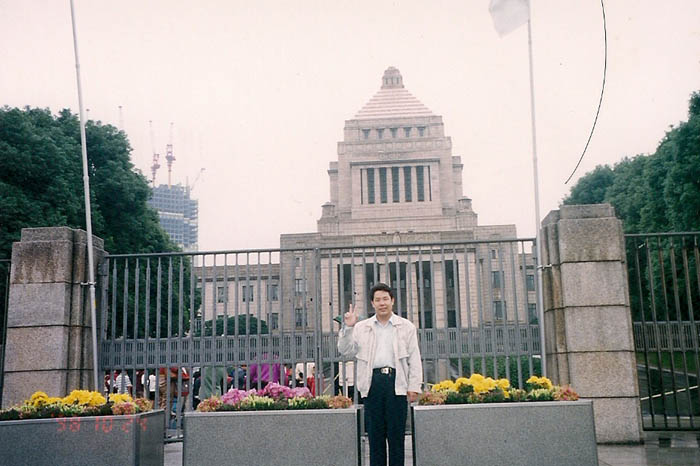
<point>540,294</point>
<point>88,213</point>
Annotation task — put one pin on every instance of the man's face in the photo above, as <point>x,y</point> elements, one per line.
<point>382,303</point>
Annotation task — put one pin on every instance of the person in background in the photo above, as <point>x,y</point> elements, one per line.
<point>122,383</point>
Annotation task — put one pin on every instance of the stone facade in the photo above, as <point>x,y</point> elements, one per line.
<point>589,342</point>
<point>49,345</point>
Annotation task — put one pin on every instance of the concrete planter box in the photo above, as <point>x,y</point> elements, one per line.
<point>313,437</point>
<point>545,433</point>
<point>94,440</point>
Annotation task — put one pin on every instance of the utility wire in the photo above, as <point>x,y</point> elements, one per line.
<point>602,90</point>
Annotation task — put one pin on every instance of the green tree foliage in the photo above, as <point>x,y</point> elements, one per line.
<point>653,193</point>
<point>247,325</point>
<point>41,182</point>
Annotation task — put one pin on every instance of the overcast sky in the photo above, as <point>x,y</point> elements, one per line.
<point>259,91</point>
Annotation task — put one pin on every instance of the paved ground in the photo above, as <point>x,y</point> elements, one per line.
<point>660,449</point>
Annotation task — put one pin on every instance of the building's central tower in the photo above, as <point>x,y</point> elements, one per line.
<point>395,170</point>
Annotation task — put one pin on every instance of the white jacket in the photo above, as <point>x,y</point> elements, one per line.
<point>359,342</point>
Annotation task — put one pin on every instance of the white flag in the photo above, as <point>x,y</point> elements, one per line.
<point>508,15</point>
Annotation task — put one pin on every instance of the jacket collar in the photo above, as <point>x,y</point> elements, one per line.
<point>394,319</point>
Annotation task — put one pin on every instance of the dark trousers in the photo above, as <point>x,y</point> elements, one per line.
<point>386,421</point>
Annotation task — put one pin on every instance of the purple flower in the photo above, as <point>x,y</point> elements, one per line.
<point>276,391</point>
<point>235,396</point>
<point>302,392</point>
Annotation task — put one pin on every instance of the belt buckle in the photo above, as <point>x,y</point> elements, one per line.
<point>385,370</point>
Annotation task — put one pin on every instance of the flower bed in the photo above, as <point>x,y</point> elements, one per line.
<point>276,426</point>
<point>540,425</point>
<point>82,428</point>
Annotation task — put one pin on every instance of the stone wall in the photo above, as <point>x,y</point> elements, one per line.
<point>588,328</point>
<point>49,339</point>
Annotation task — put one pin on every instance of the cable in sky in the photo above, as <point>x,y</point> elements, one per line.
<point>602,90</point>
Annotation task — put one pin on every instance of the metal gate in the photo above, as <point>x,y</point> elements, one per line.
<point>232,315</point>
<point>664,282</point>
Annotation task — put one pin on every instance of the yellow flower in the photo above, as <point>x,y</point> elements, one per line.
<point>543,382</point>
<point>120,398</point>
<point>445,385</point>
<point>84,398</point>
<point>38,399</point>
<point>503,384</point>
<point>461,381</point>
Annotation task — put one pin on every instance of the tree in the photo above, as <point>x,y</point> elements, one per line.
<point>231,326</point>
<point>659,192</point>
<point>591,188</point>
<point>41,182</point>
<point>652,193</point>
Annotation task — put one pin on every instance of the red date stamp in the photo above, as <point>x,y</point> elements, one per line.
<point>102,424</point>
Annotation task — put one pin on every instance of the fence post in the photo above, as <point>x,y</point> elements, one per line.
<point>588,327</point>
<point>49,344</point>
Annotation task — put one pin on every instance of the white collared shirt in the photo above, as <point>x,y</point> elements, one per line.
<point>384,354</point>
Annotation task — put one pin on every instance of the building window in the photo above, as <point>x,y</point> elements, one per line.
<point>395,184</point>
<point>299,286</point>
<point>532,313</point>
<point>430,185</point>
<point>420,183</point>
<point>393,132</point>
<point>297,261</point>
<point>380,133</point>
<point>249,295</point>
<point>421,131</point>
<point>496,280</point>
<point>451,318</point>
<point>530,282</point>
<point>499,308</point>
<point>274,321</point>
<point>365,134</point>
<point>382,186</point>
<point>493,254</point>
<point>370,185</point>
<point>407,132</point>
<point>273,292</point>
<point>299,318</point>
<point>221,294</point>
<point>407,189</point>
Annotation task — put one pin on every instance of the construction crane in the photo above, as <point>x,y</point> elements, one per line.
<point>190,187</point>
<point>155,165</point>
<point>169,157</point>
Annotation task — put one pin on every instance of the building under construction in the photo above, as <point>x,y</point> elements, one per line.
<point>178,214</point>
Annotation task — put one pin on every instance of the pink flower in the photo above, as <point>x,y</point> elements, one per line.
<point>277,391</point>
<point>302,392</point>
<point>235,396</point>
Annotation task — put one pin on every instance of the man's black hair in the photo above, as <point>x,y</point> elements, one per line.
<point>380,287</point>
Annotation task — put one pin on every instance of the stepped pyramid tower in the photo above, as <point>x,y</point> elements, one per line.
<point>395,171</point>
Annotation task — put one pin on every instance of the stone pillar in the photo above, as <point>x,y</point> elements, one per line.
<point>49,338</point>
<point>588,327</point>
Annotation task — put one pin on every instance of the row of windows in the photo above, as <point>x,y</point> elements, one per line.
<point>369,193</point>
<point>247,293</point>
<point>405,131</point>
<point>498,279</point>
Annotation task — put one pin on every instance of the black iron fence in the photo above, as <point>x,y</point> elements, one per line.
<point>186,325</point>
<point>664,284</point>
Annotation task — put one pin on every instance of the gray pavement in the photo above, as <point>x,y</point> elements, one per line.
<point>659,449</point>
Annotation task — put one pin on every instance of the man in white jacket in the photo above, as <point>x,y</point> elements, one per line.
<point>389,371</point>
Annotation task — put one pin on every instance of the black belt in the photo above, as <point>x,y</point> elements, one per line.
<point>384,370</point>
